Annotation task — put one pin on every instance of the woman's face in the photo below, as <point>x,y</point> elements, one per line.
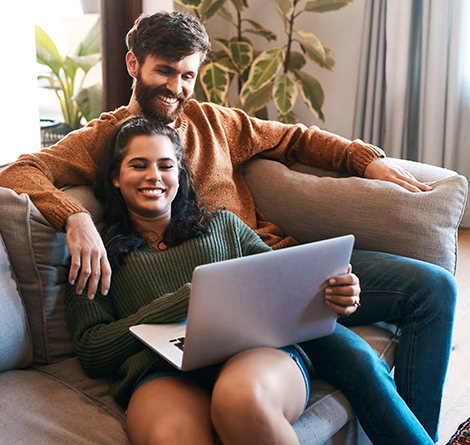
<point>148,177</point>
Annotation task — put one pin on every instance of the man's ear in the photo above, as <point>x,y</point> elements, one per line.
<point>132,64</point>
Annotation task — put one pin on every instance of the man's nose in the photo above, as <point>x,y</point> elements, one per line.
<point>174,84</point>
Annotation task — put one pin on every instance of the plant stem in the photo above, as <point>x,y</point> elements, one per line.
<point>239,36</point>
<point>289,42</point>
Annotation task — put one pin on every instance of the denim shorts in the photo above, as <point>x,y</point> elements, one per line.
<point>205,377</point>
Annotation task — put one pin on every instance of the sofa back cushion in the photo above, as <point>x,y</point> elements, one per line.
<point>40,260</point>
<point>15,340</point>
<point>313,204</point>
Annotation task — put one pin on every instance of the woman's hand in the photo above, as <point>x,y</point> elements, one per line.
<point>342,294</point>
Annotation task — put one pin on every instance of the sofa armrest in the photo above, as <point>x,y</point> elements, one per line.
<point>312,204</point>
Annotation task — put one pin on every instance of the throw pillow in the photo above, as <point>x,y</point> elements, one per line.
<point>311,204</point>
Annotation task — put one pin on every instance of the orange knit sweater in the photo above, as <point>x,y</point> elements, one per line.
<point>216,140</point>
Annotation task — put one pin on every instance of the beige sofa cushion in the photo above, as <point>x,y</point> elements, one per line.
<point>40,260</point>
<point>382,216</point>
<point>16,349</point>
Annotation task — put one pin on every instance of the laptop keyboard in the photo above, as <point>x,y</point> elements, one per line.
<point>178,342</point>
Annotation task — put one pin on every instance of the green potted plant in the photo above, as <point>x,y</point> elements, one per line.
<point>277,74</point>
<point>76,101</point>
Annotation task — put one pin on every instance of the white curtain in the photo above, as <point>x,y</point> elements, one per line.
<point>414,93</point>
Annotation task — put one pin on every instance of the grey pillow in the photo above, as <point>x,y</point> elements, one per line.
<point>16,349</point>
<point>310,205</point>
<point>40,260</point>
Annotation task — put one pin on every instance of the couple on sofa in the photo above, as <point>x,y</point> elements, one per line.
<point>165,52</point>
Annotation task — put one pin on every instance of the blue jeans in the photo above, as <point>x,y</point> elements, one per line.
<point>405,410</point>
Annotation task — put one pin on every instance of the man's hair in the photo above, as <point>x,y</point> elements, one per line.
<point>189,219</point>
<point>168,35</point>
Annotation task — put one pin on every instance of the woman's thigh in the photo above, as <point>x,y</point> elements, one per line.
<point>170,410</point>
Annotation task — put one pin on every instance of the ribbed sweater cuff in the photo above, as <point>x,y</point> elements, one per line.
<point>365,156</point>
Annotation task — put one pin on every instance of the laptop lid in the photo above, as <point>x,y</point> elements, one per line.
<point>271,299</point>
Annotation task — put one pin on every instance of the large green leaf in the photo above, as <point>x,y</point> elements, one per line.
<point>289,118</point>
<point>47,52</point>
<point>254,102</point>
<point>226,15</point>
<point>190,4</point>
<point>313,47</point>
<point>91,44</point>
<point>296,61</point>
<point>284,7</point>
<point>311,92</point>
<point>241,54</point>
<point>240,5</point>
<point>265,68</point>
<point>261,31</point>
<point>86,63</point>
<point>70,70</point>
<point>284,93</point>
<point>89,101</point>
<point>210,8</point>
<point>226,64</point>
<point>326,5</point>
<point>215,82</point>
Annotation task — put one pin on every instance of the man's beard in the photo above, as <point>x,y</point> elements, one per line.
<point>146,97</point>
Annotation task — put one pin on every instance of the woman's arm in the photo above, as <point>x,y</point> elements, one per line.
<point>102,342</point>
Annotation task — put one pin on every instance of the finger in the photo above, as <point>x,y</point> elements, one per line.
<point>85,272</point>
<point>105,276</point>
<point>75,263</point>
<point>94,277</point>
<point>341,309</point>
<point>341,280</point>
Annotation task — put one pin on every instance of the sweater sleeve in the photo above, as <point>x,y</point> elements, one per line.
<point>72,161</point>
<point>102,342</point>
<point>249,137</point>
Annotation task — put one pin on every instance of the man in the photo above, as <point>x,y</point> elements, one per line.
<point>165,53</point>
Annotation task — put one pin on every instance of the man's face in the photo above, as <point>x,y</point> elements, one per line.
<point>163,88</point>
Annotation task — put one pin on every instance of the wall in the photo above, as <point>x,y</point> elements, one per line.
<point>19,110</point>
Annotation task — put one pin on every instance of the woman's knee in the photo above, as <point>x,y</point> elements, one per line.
<point>238,400</point>
<point>261,385</point>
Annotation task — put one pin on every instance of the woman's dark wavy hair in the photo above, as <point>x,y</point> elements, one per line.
<point>189,219</point>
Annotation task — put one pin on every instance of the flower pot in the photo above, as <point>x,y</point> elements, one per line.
<point>52,131</point>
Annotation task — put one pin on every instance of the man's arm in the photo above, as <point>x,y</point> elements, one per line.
<point>72,161</point>
<point>309,145</point>
<point>88,255</point>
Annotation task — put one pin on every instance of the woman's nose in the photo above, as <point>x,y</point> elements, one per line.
<point>153,174</point>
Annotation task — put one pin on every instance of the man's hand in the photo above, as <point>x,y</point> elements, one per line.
<point>88,255</point>
<point>385,170</point>
<point>342,293</point>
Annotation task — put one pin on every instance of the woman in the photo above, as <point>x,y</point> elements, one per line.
<point>156,233</point>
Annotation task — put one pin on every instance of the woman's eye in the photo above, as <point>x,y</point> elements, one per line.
<point>138,166</point>
<point>167,166</point>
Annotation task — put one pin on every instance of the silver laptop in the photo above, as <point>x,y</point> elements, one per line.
<point>271,299</point>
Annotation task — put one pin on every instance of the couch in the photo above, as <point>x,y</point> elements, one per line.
<point>45,398</point>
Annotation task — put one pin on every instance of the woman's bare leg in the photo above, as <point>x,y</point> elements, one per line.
<point>257,397</point>
<point>170,411</point>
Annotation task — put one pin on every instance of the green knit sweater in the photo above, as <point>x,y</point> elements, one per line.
<point>151,287</point>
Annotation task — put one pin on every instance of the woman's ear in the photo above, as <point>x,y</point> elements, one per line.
<point>116,183</point>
